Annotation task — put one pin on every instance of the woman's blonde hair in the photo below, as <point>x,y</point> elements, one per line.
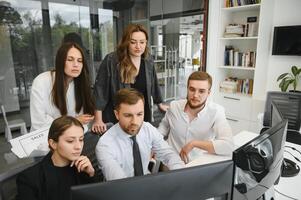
<point>126,66</point>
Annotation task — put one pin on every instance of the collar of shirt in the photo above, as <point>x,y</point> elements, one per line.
<point>184,103</point>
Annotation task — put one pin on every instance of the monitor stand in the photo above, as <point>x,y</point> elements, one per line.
<point>289,168</point>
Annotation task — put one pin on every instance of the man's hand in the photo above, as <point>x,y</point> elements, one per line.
<point>185,151</point>
<point>83,164</point>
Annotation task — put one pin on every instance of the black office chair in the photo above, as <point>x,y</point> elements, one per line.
<point>90,142</point>
<point>289,104</point>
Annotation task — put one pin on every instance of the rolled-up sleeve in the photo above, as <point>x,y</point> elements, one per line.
<point>223,144</point>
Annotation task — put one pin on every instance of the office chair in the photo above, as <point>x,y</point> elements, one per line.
<point>11,124</point>
<point>289,104</point>
<point>90,142</point>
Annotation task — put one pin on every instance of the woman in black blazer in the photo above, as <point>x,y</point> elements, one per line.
<point>129,66</point>
<point>60,169</point>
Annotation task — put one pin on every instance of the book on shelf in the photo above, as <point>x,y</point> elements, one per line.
<point>233,57</point>
<point>251,29</point>
<point>234,3</point>
<point>236,85</point>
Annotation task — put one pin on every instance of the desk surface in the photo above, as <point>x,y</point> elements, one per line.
<point>287,186</point>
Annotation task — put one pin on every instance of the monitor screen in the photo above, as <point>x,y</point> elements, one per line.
<point>258,163</point>
<point>287,40</point>
<point>194,183</point>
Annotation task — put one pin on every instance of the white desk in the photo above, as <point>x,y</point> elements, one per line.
<point>288,186</point>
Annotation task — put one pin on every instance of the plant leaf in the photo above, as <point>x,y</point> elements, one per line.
<point>281,84</point>
<point>282,76</point>
<point>295,70</point>
<point>285,86</point>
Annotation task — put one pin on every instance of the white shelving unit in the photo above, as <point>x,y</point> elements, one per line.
<point>241,109</point>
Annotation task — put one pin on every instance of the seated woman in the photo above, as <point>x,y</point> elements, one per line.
<point>61,168</point>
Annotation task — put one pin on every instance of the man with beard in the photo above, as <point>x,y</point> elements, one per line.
<point>195,124</point>
<point>116,150</point>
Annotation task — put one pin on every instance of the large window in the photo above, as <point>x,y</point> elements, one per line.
<point>32,30</point>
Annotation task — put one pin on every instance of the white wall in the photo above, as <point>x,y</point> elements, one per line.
<point>285,13</point>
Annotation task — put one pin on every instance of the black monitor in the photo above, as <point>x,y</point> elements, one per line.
<point>194,183</point>
<point>258,163</point>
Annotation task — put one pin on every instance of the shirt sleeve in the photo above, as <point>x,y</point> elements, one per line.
<point>107,161</point>
<point>223,144</point>
<point>156,92</point>
<point>102,84</point>
<point>38,107</point>
<point>164,152</point>
<point>164,126</point>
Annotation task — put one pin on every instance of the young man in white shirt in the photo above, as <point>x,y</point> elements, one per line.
<point>195,124</point>
<point>114,150</point>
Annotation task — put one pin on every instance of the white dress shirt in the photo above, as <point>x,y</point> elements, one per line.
<point>209,125</point>
<point>114,151</point>
<point>42,109</point>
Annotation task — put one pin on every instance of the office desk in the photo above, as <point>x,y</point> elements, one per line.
<point>206,158</point>
<point>288,186</point>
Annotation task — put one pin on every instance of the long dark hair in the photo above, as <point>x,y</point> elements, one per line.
<point>127,68</point>
<point>82,90</point>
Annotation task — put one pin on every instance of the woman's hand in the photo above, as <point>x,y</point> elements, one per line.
<point>163,107</point>
<point>85,118</point>
<point>99,126</point>
<point>83,164</point>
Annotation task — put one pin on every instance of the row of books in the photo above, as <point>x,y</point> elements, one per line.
<point>233,57</point>
<point>235,85</point>
<point>232,3</point>
<point>250,29</point>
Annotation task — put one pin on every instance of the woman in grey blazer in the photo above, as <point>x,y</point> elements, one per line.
<point>128,66</point>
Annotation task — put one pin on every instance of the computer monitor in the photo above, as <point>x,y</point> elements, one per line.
<point>194,183</point>
<point>257,164</point>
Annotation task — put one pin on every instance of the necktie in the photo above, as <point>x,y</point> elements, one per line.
<point>138,169</point>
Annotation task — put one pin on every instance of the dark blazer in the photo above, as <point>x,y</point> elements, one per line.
<point>40,182</point>
<point>108,82</point>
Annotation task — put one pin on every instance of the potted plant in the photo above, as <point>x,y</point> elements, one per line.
<point>287,79</point>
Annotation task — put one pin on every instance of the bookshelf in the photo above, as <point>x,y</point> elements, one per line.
<point>232,34</point>
<point>241,109</point>
<point>237,45</point>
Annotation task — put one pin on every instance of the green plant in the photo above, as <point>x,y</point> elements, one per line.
<point>289,78</point>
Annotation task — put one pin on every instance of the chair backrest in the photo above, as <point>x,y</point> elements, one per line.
<point>288,103</point>
<point>4,115</point>
<point>90,142</point>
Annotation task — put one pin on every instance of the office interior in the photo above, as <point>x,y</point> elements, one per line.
<point>185,35</point>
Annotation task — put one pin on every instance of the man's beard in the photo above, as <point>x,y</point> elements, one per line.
<point>130,130</point>
<point>195,106</point>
